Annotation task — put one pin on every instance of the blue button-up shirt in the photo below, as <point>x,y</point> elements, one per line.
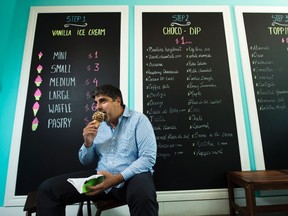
<point>128,149</point>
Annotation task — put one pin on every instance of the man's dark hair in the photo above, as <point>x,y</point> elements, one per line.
<point>108,90</point>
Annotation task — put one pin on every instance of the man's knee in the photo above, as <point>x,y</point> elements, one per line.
<point>141,195</point>
<point>43,187</point>
<point>47,187</point>
<point>142,186</point>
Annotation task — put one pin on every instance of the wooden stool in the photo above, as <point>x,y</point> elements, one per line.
<point>30,204</point>
<point>253,181</point>
<point>101,205</point>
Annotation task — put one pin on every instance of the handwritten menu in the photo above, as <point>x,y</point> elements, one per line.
<point>187,95</point>
<point>72,54</point>
<point>267,45</point>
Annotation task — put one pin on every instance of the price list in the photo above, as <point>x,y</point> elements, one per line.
<point>72,54</point>
<point>187,96</point>
<point>267,49</point>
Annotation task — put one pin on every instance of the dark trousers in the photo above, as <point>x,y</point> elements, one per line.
<point>55,193</point>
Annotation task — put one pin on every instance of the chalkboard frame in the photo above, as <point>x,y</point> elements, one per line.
<point>10,198</point>
<point>243,148</point>
<point>251,100</point>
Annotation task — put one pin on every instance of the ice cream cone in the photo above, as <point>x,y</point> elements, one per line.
<point>39,68</point>
<point>35,124</point>
<point>35,108</point>
<point>37,94</point>
<point>35,111</point>
<point>38,81</point>
<point>40,54</point>
<point>98,117</point>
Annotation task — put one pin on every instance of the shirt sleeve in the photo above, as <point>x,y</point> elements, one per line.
<point>86,155</point>
<point>147,149</point>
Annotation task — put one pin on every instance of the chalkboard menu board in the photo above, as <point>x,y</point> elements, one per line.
<point>72,53</point>
<point>187,92</point>
<point>265,52</point>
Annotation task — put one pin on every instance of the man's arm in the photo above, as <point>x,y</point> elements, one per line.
<point>86,153</point>
<point>147,149</point>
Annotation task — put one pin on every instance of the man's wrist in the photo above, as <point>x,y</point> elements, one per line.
<point>119,179</point>
<point>87,145</point>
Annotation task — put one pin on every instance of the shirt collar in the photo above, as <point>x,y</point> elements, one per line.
<point>126,112</point>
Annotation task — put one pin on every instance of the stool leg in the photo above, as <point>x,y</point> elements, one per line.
<point>231,196</point>
<point>98,213</point>
<point>89,208</point>
<point>250,199</point>
<point>80,209</point>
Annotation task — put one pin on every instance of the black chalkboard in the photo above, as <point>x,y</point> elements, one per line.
<point>72,53</point>
<point>267,45</point>
<point>187,95</point>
